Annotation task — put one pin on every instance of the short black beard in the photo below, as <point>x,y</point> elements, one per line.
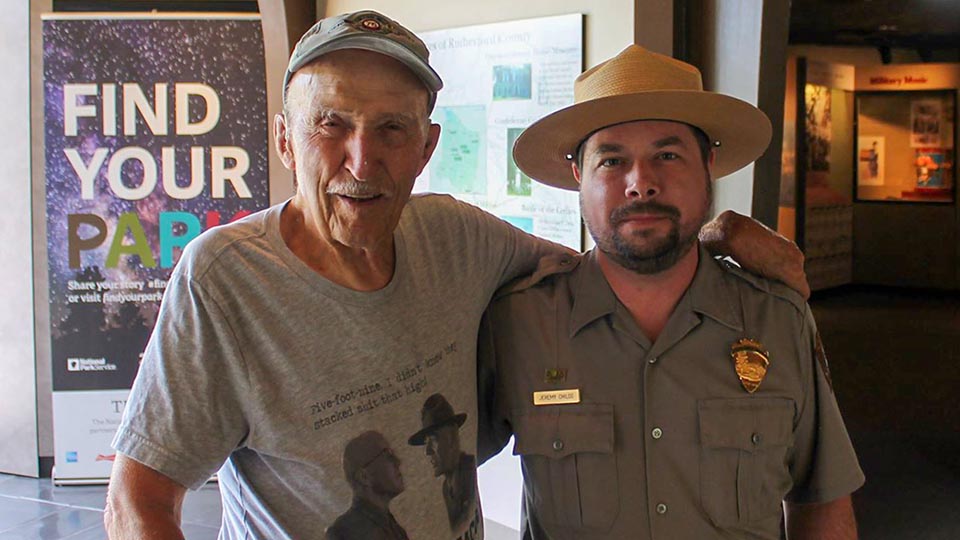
<point>660,257</point>
<point>664,257</point>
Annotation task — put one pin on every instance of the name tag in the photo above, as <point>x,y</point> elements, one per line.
<point>557,397</point>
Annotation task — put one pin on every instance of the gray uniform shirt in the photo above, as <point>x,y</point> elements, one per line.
<point>665,442</point>
<point>259,364</point>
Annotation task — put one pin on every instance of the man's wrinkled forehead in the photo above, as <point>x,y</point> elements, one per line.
<point>333,75</point>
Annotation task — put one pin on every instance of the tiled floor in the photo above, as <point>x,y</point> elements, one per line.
<point>32,509</point>
<point>895,358</point>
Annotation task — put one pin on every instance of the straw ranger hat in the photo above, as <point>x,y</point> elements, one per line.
<point>638,84</point>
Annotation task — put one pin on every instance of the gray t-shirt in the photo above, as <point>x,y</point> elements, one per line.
<point>259,364</point>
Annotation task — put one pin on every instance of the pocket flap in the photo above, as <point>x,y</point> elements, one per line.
<point>746,423</point>
<point>558,431</point>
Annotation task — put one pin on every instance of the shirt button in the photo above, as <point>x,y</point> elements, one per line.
<point>756,438</point>
<point>656,433</point>
<point>653,360</point>
<point>558,445</point>
<point>661,509</point>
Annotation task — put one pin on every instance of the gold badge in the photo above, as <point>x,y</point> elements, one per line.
<point>751,362</point>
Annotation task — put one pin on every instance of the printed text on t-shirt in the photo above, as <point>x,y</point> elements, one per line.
<point>409,380</point>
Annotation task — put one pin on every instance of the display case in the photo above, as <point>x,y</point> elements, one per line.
<point>905,146</point>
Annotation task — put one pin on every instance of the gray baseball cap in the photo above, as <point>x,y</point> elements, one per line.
<point>370,31</point>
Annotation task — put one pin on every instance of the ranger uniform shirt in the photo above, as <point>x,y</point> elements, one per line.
<point>664,442</point>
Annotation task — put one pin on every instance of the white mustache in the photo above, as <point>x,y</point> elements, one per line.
<point>355,189</point>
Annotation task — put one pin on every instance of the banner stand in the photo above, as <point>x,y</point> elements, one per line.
<point>156,130</point>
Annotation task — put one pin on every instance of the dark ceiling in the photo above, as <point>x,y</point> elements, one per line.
<point>924,25</point>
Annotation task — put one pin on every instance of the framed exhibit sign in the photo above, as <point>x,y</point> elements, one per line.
<point>926,122</point>
<point>870,165</point>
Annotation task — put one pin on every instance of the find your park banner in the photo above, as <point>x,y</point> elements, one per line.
<point>156,130</point>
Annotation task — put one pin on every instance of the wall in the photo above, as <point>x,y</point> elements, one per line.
<point>841,174</point>
<point>18,399</point>
<point>608,25</point>
<point>741,52</point>
<point>723,25</point>
<point>41,299</point>
<point>905,245</point>
<point>284,21</point>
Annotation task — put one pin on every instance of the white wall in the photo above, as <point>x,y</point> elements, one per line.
<point>608,26</point>
<point>18,398</point>
<point>41,299</point>
<point>731,66</point>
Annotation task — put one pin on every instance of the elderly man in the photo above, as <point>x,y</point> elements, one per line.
<point>286,334</point>
<point>655,392</point>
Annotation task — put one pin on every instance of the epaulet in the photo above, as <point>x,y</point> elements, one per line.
<point>549,265</point>
<point>769,286</point>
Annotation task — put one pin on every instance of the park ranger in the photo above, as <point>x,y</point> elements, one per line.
<point>654,391</point>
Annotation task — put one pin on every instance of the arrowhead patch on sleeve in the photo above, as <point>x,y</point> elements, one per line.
<point>822,360</point>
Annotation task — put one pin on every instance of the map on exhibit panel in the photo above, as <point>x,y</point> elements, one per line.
<point>498,79</point>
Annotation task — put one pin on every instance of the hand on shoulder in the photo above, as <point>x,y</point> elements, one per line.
<point>757,249</point>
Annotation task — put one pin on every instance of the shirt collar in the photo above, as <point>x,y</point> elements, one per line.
<point>711,293</point>
<point>592,296</point>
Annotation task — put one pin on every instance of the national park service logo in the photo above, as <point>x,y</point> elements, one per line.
<point>751,363</point>
<point>371,22</point>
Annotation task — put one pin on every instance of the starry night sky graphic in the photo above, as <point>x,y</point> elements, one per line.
<point>226,55</point>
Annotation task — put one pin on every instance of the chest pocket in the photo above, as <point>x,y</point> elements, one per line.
<point>568,458</point>
<point>744,447</point>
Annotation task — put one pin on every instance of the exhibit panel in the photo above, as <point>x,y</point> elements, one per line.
<point>499,78</point>
<point>816,208</point>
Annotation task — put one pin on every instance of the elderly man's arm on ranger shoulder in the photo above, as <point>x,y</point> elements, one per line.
<point>833,520</point>
<point>756,248</point>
